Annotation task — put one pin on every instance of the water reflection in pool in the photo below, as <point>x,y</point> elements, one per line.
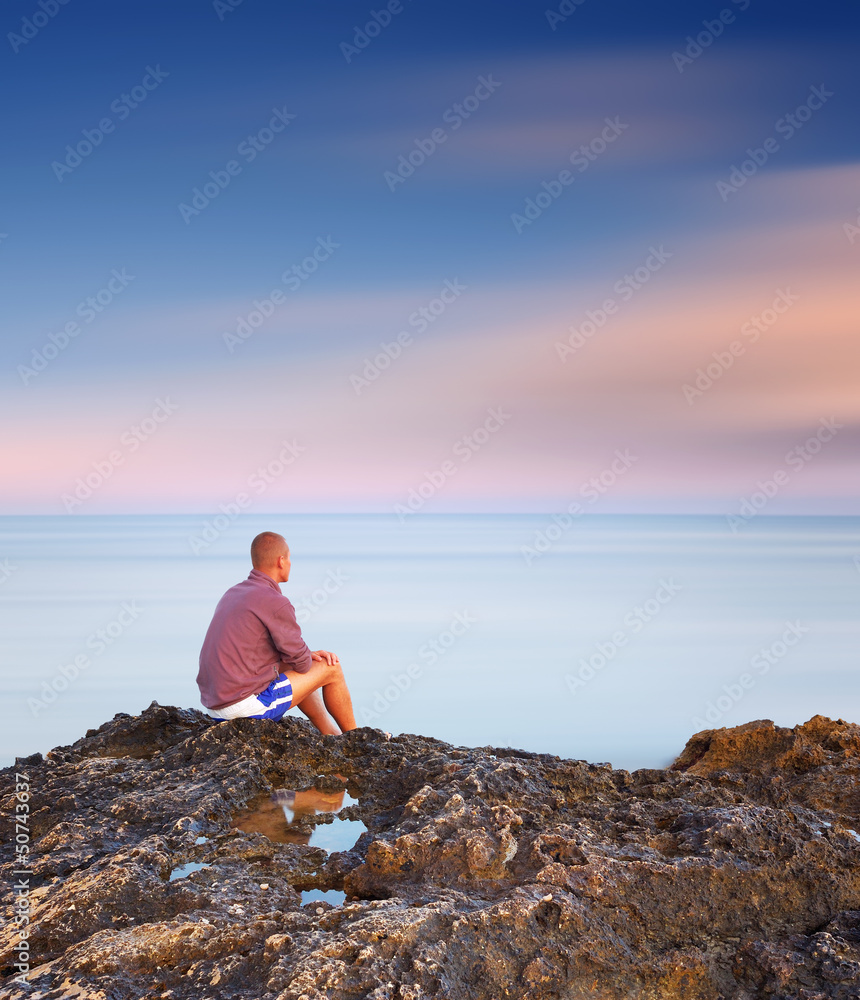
<point>284,816</point>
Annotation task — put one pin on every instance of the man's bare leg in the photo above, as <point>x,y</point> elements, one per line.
<point>329,678</point>
<point>313,707</point>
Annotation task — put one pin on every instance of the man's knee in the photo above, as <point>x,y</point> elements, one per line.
<point>335,670</point>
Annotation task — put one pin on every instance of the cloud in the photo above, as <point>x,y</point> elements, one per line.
<point>547,106</point>
<point>496,346</point>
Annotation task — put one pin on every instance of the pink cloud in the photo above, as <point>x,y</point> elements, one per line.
<point>622,389</point>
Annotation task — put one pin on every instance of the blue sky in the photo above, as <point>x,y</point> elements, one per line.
<point>222,78</point>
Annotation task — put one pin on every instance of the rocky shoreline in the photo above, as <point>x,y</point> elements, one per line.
<point>485,873</point>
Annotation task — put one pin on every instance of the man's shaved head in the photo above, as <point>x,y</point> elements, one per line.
<point>266,548</point>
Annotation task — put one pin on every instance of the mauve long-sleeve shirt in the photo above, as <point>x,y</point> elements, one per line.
<point>253,636</point>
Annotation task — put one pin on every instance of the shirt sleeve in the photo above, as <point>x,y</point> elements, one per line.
<point>287,638</point>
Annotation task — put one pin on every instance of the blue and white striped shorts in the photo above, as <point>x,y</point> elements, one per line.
<point>273,703</point>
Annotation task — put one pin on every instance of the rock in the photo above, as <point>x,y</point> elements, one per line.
<point>484,873</point>
<point>816,765</point>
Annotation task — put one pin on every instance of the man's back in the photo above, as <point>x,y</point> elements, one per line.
<point>252,637</point>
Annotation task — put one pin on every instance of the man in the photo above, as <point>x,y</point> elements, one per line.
<point>254,663</point>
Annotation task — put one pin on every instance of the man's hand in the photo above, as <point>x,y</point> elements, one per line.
<point>324,654</point>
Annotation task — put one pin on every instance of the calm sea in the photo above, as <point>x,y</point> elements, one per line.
<point>608,638</point>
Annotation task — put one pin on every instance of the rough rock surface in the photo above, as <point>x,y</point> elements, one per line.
<point>485,873</point>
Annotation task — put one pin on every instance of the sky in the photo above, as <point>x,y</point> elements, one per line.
<point>345,257</point>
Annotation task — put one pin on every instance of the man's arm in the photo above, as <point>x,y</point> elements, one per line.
<point>287,638</point>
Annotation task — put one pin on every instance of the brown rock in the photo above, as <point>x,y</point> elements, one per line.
<point>484,873</point>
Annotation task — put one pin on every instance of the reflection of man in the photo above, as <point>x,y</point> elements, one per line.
<point>285,804</point>
<point>254,663</point>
